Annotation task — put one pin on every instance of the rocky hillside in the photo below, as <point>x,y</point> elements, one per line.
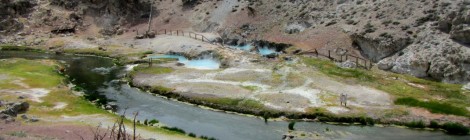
<point>428,39</point>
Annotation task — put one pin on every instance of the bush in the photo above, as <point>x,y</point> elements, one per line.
<point>192,135</point>
<point>291,125</point>
<point>175,129</point>
<point>455,129</point>
<point>153,121</point>
<point>433,124</point>
<point>414,124</point>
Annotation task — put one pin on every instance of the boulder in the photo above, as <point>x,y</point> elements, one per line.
<point>467,86</point>
<point>16,108</point>
<point>461,33</point>
<point>272,55</point>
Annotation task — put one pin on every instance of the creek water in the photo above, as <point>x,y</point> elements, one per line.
<point>82,71</point>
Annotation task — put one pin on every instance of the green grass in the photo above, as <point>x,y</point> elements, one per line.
<point>251,88</point>
<point>20,134</point>
<point>433,106</point>
<point>144,69</point>
<point>329,68</point>
<point>90,51</point>
<point>455,128</point>
<point>239,103</point>
<point>5,47</point>
<point>34,73</point>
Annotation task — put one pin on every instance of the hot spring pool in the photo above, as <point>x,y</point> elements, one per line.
<point>206,62</point>
<point>266,51</point>
<point>261,50</point>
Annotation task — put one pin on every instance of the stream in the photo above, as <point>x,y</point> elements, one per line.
<point>99,75</point>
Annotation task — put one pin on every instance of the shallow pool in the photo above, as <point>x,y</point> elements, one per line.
<point>205,62</point>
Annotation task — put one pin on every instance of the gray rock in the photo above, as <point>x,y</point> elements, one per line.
<point>348,64</point>
<point>21,97</point>
<point>461,33</point>
<point>24,116</point>
<point>34,119</point>
<point>467,86</point>
<point>16,109</point>
<point>296,27</point>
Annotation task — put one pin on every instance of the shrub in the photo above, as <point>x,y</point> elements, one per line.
<point>455,129</point>
<point>153,121</point>
<point>291,125</point>
<point>415,124</point>
<point>192,135</point>
<point>433,124</point>
<point>175,129</point>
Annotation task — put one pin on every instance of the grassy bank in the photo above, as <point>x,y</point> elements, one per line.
<point>59,101</point>
<point>434,96</point>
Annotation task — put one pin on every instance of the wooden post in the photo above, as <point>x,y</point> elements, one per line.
<point>316,52</point>
<point>165,31</point>
<point>346,57</point>
<point>150,62</point>
<point>329,54</point>
<point>150,18</point>
<point>177,32</point>
<point>357,59</point>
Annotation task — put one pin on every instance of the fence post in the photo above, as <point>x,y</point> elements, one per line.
<point>346,57</point>
<point>165,31</point>
<point>329,54</point>
<point>150,62</point>
<point>316,52</point>
<point>357,59</point>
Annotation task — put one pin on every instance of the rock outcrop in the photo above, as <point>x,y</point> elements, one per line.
<point>377,48</point>
<point>437,57</point>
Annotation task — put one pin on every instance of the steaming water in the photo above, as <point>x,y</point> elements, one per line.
<point>246,47</point>
<point>261,50</point>
<point>266,50</point>
<point>206,62</point>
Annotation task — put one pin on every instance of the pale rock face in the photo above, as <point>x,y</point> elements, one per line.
<point>377,48</point>
<point>434,56</point>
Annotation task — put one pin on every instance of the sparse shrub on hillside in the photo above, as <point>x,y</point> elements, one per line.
<point>369,28</point>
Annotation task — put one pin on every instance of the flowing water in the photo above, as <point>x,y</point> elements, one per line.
<point>201,121</point>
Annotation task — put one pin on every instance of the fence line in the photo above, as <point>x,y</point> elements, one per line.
<point>183,33</point>
<point>360,62</point>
